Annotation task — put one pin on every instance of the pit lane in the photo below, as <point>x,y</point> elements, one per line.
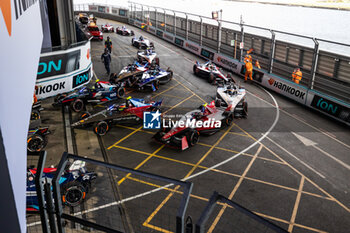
<point>265,178</point>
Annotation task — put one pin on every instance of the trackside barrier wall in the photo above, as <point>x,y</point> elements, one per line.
<point>64,70</point>
<point>325,86</point>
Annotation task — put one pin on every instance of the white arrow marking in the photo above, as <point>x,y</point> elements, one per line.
<point>308,142</point>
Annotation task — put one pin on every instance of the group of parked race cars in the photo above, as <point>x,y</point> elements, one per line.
<point>144,73</point>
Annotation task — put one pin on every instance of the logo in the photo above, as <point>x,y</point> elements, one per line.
<point>81,78</point>
<point>194,48</point>
<point>227,62</point>
<point>192,123</point>
<point>151,120</point>
<point>288,89</point>
<point>50,87</point>
<point>88,54</point>
<point>331,108</point>
<point>20,7</point>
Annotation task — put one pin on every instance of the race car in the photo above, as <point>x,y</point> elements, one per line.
<point>209,71</point>
<point>134,69</point>
<point>37,137</point>
<point>232,96</point>
<point>83,18</point>
<point>75,183</point>
<point>129,112</point>
<point>124,31</point>
<point>107,28</point>
<point>36,109</point>
<point>142,79</point>
<point>142,43</point>
<point>94,31</point>
<point>147,56</point>
<point>206,120</point>
<point>101,92</point>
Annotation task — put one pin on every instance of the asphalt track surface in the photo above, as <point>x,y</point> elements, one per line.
<point>289,165</point>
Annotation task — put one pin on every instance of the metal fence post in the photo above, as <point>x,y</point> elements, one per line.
<point>174,23</point>
<point>186,26</point>
<point>242,41</point>
<point>314,63</point>
<point>155,12</point>
<point>164,20</point>
<point>40,191</point>
<point>272,50</point>
<point>219,36</point>
<point>141,13</point>
<point>201,32</point>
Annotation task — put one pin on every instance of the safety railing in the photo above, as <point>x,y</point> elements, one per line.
<point>323,71</point>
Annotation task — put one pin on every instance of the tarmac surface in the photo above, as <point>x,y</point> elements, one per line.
<point>286,163</point>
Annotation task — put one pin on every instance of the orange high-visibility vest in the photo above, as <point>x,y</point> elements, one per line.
<point>297,75</point>
<point>249,66</point>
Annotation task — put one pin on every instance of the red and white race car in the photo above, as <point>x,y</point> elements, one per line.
<point>107,28</point>
<point>212,73</point>
<point>124,31</point>
<point>206,120</point>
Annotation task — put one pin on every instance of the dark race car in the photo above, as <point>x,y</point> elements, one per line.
<point>147,56</point>
<point>232,97</point>
<point>101,92</point>
<point>107,28</point>
<point>36,109</point>
<point>75,183</point>
<point>94,32</point>
<point>144,79</point>
<point>206,120</point>
<point>134,69</point>
<point>37,137</point>
<point>124,31</point>
<point>209,71</point>
<point>129,112</point>
<point>142,43</point>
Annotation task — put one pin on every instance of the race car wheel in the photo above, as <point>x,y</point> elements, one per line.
<point>73,194</point>
<point>193,137</point>
<point>132,33</point>
<point>171,73</point>
<point>101,128</point>
<point>35,115</point>
<point>77,105</point>
<point>211,78</point>
<point>120,92</point>
<point>218,103</point>
<point>245,109</point>
<point>229,120</point>
<point>157,60</point>
<point>36,143</point>
<point>195,69</point>
<point>84,115</point>
<point>151,45</point>
<point>156,84</point>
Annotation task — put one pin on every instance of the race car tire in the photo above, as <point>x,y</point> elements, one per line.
<point>120,92</point>
<point>35,115</point>
<point>157,60</point>
<point>73,194</point>
<point>156,84</point>
<point>211,78</point>
<point>229,120</point>
<point>192,137</point>
<point>36,143</point>
<point>151,45</point>
<point>101,128</point>
<point>218,103</point>
<point>195,69</point>
<point>132,33</point>
<point>170,75</point>
<point>245,109</point>
<point>84,115</point>
<point>77,105</point>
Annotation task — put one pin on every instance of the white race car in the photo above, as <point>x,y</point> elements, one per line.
<point>147,56</point>
<point>107,28</point>
<point>211,72</point>
<point>232,97</point>
<point>142,43</point>
<point>124,31</point>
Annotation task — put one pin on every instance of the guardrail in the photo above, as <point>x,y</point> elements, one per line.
<point>325,86</point>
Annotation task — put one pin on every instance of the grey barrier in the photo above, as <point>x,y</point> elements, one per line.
<point>325,86</point>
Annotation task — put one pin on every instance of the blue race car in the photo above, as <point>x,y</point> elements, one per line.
<point>101,92</point>
<point>75,183</point>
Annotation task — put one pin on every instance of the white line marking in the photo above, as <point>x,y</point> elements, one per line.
<point>332,157</point>
<point>302,162</point>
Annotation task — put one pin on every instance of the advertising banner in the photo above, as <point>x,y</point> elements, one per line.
<point>194,48</point>
<point>62,71</point>
<point>20,54</point>
<point>168,37</point>
<point>329,106</point>
<point>285,87</point>
<point>228,63</point>
<point>92,8</point>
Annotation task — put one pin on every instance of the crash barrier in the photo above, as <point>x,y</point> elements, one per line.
<point>112,12</point>
<point>64,70</point>
<point>325,86</point>
<point>108,205</point>
<point>236,217</point>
